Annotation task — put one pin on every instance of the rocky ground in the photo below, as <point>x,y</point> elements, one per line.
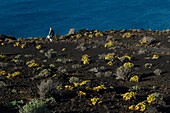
<point>114,71</point>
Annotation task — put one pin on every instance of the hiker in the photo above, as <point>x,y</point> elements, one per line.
<point>51,32</point>
<point>50,35</point>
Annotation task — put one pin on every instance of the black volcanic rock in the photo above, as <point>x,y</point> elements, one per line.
<point>5,37</point>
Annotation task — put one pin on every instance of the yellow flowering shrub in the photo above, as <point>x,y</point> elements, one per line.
<point>109,56</point>
<point>68,87</point>
<point>98,34</point>
<point>59,88</point>
<point>151,99</point>
<point>81,93</point>
<point>10,40</point>
<point>155,56</point>
<point>95,101</point>
<point>84,82</point>
<point>16,44</point>
<point>110,43</point>
<point>2,73</point>
<point>98,88</point>
<point>85,59</point>
<point>132,107</point>
<point>127,35</point>
<point>141,106</point>
<point>90,35</point>
<point>129,95</point>
<point>17,73</point>
<point>111,87</point>
<point>32,63</point>
<point>88,88</point>
<point>134,78</point>
<point>124,57</point>
<point>19,39</point>
<point>78,36</point>
<point>127,57</point>
<point>128,65</point>
<point>110,63</point>
<point>81,83</point>
<point>2,56</point>
<point>22,45</point>
<point>38,47</point>
<point>15,60</point>
<point>76,84</point>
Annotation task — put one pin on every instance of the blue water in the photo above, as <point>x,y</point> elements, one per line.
<point>30,18</point>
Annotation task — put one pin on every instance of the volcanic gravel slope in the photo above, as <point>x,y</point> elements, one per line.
<point>35,68</point>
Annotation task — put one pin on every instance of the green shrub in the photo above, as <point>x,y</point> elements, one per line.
<point>34,106</point>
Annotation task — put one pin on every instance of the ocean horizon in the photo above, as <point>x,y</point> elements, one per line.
<point>33,18</point>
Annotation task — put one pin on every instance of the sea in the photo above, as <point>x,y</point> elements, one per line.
<point>33,18</point>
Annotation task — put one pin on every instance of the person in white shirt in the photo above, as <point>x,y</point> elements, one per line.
<point>50,35</point>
